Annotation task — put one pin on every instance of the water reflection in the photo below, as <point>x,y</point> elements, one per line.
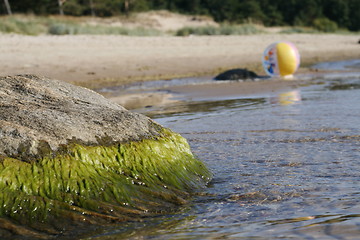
<point>190,108</point>
<point>287,98</point>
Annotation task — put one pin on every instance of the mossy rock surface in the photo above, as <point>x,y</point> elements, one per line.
<point>70,160</point>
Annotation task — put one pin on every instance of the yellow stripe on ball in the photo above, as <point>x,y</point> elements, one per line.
<point>287,59</point>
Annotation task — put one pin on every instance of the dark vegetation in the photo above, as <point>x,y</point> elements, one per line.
<point>324,15</point>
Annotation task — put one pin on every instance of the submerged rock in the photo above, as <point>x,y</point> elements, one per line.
<point>70,159</point>
<point>237,74</point>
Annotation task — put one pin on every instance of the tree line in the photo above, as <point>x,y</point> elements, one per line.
<point>339,13</point>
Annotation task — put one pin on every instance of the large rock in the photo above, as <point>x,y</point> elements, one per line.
<point>70,159</point>
<point>38,113</point>
<point>236,74</point>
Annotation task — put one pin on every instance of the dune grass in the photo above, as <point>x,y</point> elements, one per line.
<point>65,25</point>
<point>294,30</point>
<point>33,25</point>
<point>22,25</point>
<point>77,29</point>
<point>225,29</point>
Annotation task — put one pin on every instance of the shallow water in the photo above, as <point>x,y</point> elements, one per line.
<point>286,165</point>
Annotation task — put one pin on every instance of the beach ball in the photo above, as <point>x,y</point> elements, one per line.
<point>281,59</point>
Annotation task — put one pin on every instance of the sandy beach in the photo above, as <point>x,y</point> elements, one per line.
<point>96,61</point>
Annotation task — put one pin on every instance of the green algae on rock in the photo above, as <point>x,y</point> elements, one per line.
<point>110,166</point>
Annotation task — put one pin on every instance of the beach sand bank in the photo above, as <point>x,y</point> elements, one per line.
<point>97,61</point>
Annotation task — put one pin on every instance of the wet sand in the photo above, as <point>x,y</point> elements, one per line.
<point>97,61</point>
<point>171,94</point>
<point>234,88</point>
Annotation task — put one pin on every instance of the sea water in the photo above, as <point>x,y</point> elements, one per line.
<point>286,166</point>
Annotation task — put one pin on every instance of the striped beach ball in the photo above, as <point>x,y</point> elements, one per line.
<point>281,59</point>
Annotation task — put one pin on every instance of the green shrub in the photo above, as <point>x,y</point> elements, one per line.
<point>206,30</point>
<point>60,29</point>
<point>186,31</point>
<point>325,25</point>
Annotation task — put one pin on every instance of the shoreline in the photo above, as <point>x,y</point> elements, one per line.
<point>178,95</point>
<point>103,61</point>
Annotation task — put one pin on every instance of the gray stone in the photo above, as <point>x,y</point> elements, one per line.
<point>38,113</point>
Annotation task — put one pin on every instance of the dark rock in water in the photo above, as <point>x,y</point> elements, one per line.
<point>70,159</point>
<point>236,74</point>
